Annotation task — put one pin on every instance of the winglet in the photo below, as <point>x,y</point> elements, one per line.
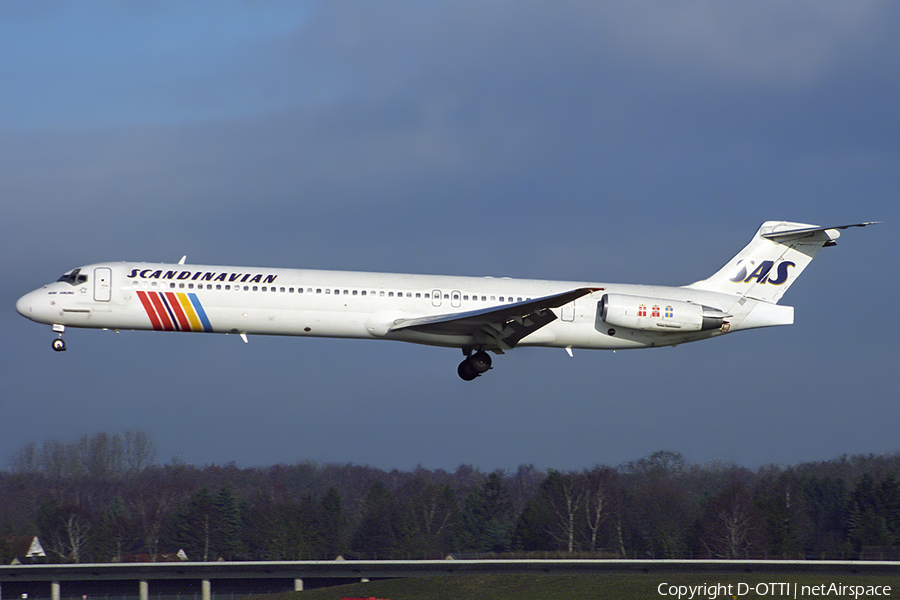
<point>183,258</point>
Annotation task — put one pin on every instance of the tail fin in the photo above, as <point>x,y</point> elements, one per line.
<point>773,259</point>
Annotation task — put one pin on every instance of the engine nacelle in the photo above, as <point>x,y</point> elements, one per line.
<point>658,314</point>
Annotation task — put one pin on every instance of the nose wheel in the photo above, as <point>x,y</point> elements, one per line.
<point>59,344</point>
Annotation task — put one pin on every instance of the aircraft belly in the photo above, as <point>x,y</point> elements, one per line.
<point>289,322</point>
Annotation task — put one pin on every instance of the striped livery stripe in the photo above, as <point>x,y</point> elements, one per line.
<point>171,311</point>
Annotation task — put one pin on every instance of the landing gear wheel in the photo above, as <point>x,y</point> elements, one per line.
<point>466,371</point>
<point>59,345</point>
<point>480,361</point>
<point>474,365</point>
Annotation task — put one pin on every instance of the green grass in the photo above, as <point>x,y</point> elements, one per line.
<point>616,586</point>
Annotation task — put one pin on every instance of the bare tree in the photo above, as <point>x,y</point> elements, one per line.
<point>153,501</point>
<point>65,528</point>
<point>54,460</point>
<point>565,496</point>
<point>429,509</point>
<point>77,529</point>
<point>140,452</point>
<point>26,460</point>
<point>731,524</point>
<point>598,484</point>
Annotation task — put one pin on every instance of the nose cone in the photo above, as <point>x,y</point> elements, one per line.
<point>25,305</point>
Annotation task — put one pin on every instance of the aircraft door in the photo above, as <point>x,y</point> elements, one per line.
<point>455,299</point>
<point>102,284</point>
<point>568,312</point>
<point>436,297</point>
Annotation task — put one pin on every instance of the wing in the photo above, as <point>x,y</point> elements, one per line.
<point>497,328</point>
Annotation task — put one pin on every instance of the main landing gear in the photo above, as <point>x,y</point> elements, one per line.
<point>59,344</point>
<point>474,365</point>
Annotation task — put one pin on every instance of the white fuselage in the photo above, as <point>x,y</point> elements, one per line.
<point>346,304</point>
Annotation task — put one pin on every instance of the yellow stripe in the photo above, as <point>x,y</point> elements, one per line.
<point>189,312</point>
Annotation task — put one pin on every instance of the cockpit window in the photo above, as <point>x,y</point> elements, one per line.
<point>74,278</point>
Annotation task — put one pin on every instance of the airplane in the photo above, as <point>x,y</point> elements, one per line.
<point>475,314</point>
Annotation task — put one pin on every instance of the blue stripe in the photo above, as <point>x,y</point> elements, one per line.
<point>165,301</point>
<point>201,314</point>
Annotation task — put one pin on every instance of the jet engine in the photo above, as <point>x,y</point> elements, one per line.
<point>658,314</point>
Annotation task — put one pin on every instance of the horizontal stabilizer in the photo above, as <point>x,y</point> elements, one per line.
<point>796,234</point>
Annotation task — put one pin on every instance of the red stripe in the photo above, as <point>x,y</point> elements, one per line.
<point>151,312</point>
<point>179,312</point>
<point>161,311</point>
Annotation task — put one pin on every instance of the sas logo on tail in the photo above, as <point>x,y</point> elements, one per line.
<point>761,273</point>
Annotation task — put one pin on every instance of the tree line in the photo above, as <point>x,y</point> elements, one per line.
<point>106,498</point>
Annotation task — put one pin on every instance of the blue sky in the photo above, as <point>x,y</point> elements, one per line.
<point>610,142</point>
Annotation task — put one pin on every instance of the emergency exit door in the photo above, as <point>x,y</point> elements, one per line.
<point>102,284</point>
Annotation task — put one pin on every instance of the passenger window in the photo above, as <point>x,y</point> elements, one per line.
<point>418,294</point>
<point>364,292</point>
<point>390,294</point>
<point>355,292</point>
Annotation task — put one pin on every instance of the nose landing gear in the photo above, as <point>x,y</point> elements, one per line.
<point>474,365</point>
<point>59,344</point>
